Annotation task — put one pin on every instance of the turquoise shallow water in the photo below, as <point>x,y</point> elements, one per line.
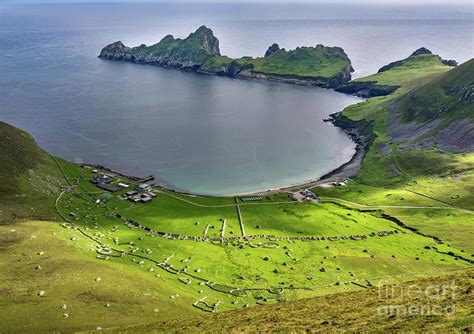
<point>199,133</point>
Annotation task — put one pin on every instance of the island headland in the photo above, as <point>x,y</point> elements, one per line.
<point>322,66</point>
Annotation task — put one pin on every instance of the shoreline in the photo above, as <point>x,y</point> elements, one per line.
<point>360,133</point>
<point>334,83</point>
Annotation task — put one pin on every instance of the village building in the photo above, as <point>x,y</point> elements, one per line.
<point>146,199</point>
<point>107,187</point>
<point>143,187</point>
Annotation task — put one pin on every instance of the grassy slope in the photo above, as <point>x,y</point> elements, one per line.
<point>68,276</point>
<point>391,176</point>
<point>351,311</point>
<point>189,48</point>
<point>450,96</point>
<point>301,62</point>
<point>29,178</point>
<point>413,67</point>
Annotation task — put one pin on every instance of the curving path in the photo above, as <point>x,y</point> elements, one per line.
<point>447,207</point>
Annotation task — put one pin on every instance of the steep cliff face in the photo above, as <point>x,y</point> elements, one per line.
<point>319,65</point>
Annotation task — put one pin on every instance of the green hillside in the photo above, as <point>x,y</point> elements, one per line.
<point>403,73</point>
<point>30,179</point>
<point>402,163</point>
<point>411,68</point>
<point>197,47</point>
<point>449,96</point>
<point>303,62</point>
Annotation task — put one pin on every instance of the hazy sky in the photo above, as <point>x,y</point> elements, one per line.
<point>401,2</point>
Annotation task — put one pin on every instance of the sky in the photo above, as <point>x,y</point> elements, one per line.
<point>380,2</point>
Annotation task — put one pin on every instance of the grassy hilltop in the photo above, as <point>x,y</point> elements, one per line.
<point>76,257</point>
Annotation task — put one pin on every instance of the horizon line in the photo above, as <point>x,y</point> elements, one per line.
<point>223,2</point>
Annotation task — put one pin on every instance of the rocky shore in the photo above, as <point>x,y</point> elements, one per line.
<point>361,133</point>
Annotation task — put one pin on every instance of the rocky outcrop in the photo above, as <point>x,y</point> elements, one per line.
<point>272,49</point>
<point>116,51</point>
<point>450,62</point>
<point>200,52</point>
<point>366,89</point>
<point>188,53</point>
<point>421,51</point>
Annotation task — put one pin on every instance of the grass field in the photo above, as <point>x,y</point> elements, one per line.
<point>277,258</point>
<point>41,256</point>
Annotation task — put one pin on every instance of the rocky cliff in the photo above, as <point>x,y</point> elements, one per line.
<point>319,65</point>
<point>188,53</point>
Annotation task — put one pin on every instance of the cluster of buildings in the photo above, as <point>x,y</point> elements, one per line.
<point>104,181</point>
<point>304,194</point>
<point>143,194</point>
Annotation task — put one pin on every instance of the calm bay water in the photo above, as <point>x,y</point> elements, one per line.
<point>204,134</point>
